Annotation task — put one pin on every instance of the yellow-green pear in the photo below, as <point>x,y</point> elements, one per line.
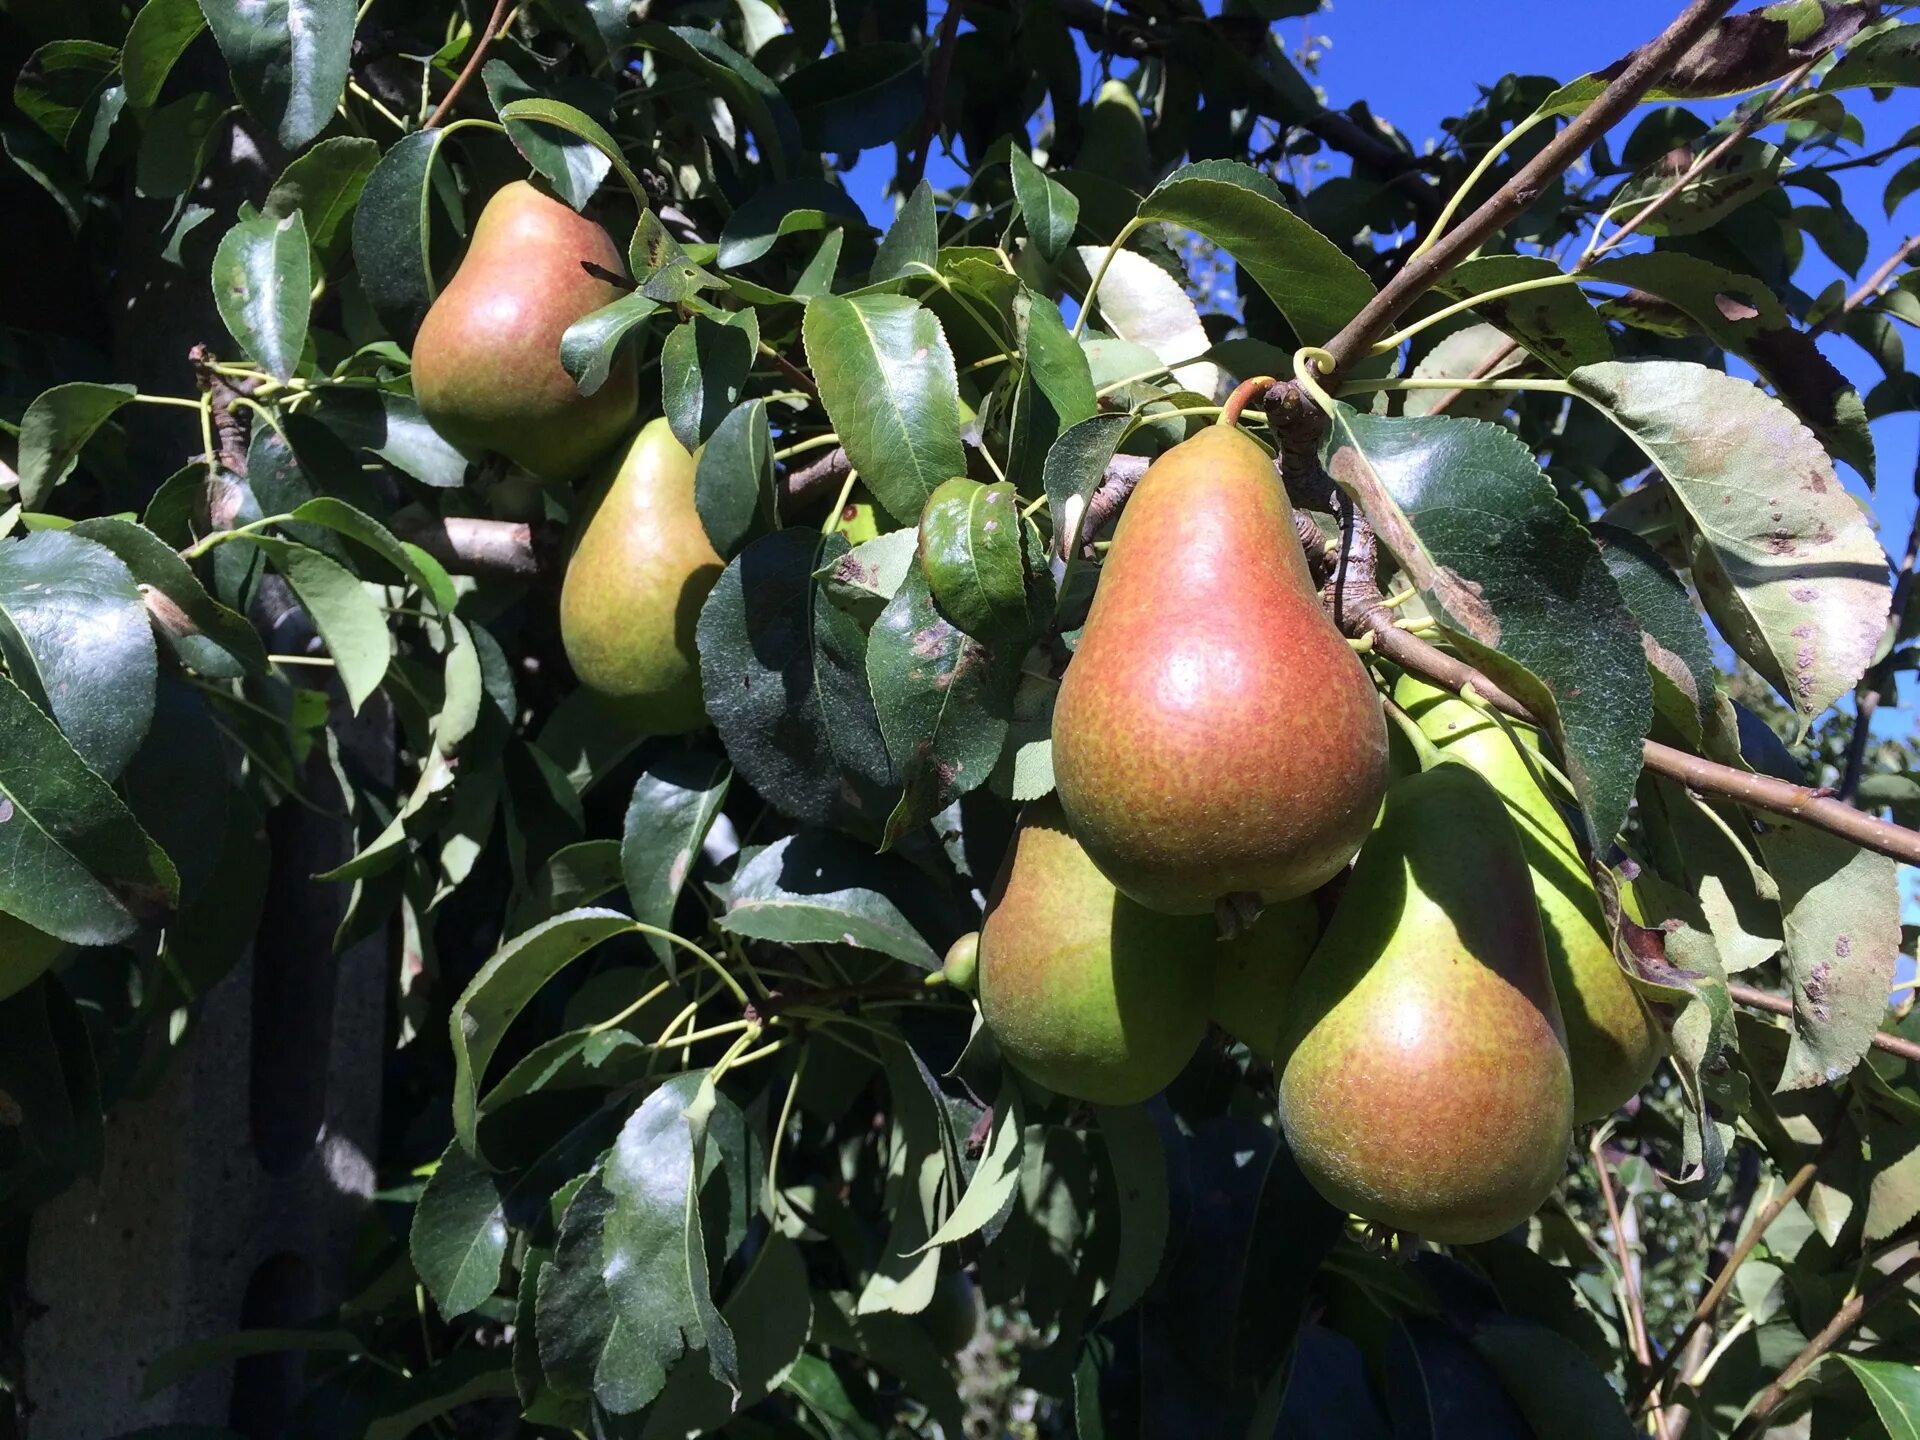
<point>961,965</point>
<point>635,585</point>
<point>1085,991</point>
<point>25,954</point>
<point>1254,975</point>
<point>1613,1040</point>
<point>1427,1085</point>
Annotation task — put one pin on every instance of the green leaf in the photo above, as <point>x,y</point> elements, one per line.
<point>1055,361</point>
<point>662,266</point>
<point>574,875</point>
<point>262,275</point>
<point>502,989</point>
<point>1679,656</point>
<point>172,1366</point>
<point>754,98</point>
<point>1744,173</point>
<point>174,145</point>
<point>983,563</point>
<point>862,580</point>
<point>674,804</point>
<point>389,425</point>
<point>74,635</point>
<point>816,888</point>
<point>393,226</point>
<point>1894,1388</point>
<point>913,244</point>
<point>1515,579</point>
<point>57,424</point>
<point>324,185</point>
<point>704,366</point>
<point>1307,276</point>
<point>538,110</point>
<point>1558,1389</point>
<point>592,343</point>
<point>1742,315</point>
<point>1783,559</point>
<point>944,699</point>
<point>574,165</point>
<point>997,1175</point>
<point>1556,324</point>
<point>733,478</point>
<point>60,83</point>
<point>1138,1159</point>
<point>348,619</point>
<point>459,1234</point>
<point>785,678</point>
<point>204,634</point>
<point>158,37</point>
<point>795,208</point>
<point>288,59</point>
<point>1842,911</point>
<point>1890,57</point>
<point>426,573</point>
<point>857,98</point>
<point>887,381</point>
<point>52,1084</point>
<point>464,1378</point>
<point>918,1173</point>
<point>1142,303</point>
<point>1051,210</point>
<point>73,860</point>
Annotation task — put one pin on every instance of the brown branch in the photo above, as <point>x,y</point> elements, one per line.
<point>1780,1005</point>
<point>1629,1281</point>
<point>473,64</point>
<point>506,548</point>
<point>1649,64</point>
<point>1844,1320</point>
<point>1103,506</point>
<point>943,48</point>
<point>799,489</point>
<point>230,423</point>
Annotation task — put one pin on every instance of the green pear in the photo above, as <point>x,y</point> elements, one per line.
<point>1254,975</point>
<point>1427,1086</point>
<point>25,954</point>
<point>1613,1040</point>
<point>961,965</point>
<point>635,585</point>
<point>952,1316</point>
<point>1215,733</point>
<point>1086,992</point>
<point>486,363</point>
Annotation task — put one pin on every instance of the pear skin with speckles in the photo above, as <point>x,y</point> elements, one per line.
<point>1215,733</point>
<point>1086,992</point>
<point>1427,1086</point>
<point>1613,1040</point>
<point>1254,975</point>
<point>486,362</point>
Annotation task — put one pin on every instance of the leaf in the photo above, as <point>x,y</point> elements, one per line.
<point>1745,172</point>
<point>501,990</point>
<point>866,577</point>
<point>573,165</point>
<point>674,804</point>
<point>160,34</point>
<point>288,59</point>
<point>352,625</point>
<point>1137,1157</point>
<point>912,246</point>
<point>172,1366</point>
<point>1679,656</point>
<point>1742,315</point>
<point>262,274</point>
<point>1555,324</point>
<point>1894,1388</point>
<point>1514,578</point>
<point>424,572</point>
<point>784,673</point>
<point>389,425</point>
<point>52,1085</point>
<point>1785,562</point>
<point>74,636</point>
<point>1312,282</point>
<point>464,1378</point>
<point>733,479</point>
<point>997,1175</point>
<point>459,1234</point>
<point>591,344</point>
<point>1142,303</point>
<point>57,424</point>
<point>795,208</point>
<point>1842,911</point>
<point>735,79</point>
<point>857,98</point>
<point>944,700</point>
<point>73,860</point>
<point>1052,212</point>
<point>704,366</point>
<point>538,110</point>
<point>393,227</point>
<point>1888,57</point>
<point>904,1273</point>
<point>60,82</point>
<point>204,634</point>
<point>887,381</point>
<point>324,185</point>
<point>1055,361</point>
<point>816,888</point>
<point>982,562</point>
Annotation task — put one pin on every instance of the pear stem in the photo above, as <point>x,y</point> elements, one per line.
<point>1242,396</point>
<point>840,505</point>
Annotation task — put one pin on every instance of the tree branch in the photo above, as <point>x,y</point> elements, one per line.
<point>1780,1005</point>
<point>1648,65</point>
<point>504,548</point>
<point>943,48</point>
<point>473,64</point>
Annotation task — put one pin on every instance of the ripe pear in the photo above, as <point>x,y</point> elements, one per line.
<point>1088,993</point>
<point>1254,975</point>
<point>1215,733</point>
<point>1428,1086</point>
<point>486,363</point>
<point>635,585</point>
<point>25,954</point>
<point>1613,1040</point>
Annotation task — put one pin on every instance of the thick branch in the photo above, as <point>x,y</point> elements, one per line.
<point>799,489</point>
<point>1648,65</point>
<point>506,548</point>
<point>936,105</point>
<point>1780,1005</point>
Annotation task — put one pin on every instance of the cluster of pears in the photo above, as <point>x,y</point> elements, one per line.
<point>488,377</point>
<point>1216,740</point>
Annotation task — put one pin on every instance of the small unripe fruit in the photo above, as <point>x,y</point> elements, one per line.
<point>962,962</point>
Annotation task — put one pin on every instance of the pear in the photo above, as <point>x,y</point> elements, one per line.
<point>1086,992</point>
<point>1613,1040</point>
<point>486,363</point>
<point>1427,1086</point>
<point>960,967</point>
<point>1254,975</point>
<point>1215,733</point>
<point>25,954</point>
<point>635,585</point>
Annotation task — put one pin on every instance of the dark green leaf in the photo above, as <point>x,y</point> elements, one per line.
<point>49,1076</point>
<point>352,625</point>
<point>174,145</point>
<point>171,1367</point>
<point>1515,579</point>
<point>57,424</point>
<point>288,59</point>
<point>1557,1388</point>
<point>262,276</point>
<point>1556,324</point>
<point>1889,58</point>
<point>393,227</point>
<point>753,98</point>
<point>857,98</point>
<point>60,82</point>
<point>459,1235</point>
<point>592,343</point>
<point>816,888</point>
<point>673,806</point>
<point>1051,210</point>
<point>912,246</point>
<point>159,36</point>
<point>797,207</point>
<point>704,366</point>
<point>983,563</point>
<point>1137,1156</point>
<point>1894,1388</point>
<point>887,381</point>
<point>1679,656</point>
<point>389,424</point>
<point>1744,173</point>
<point>465,1378</point>
<point>204,634</point>
<point>324,186</point>
<point>574,165</point>
<point>1055,361</point>
<point>733,478</point>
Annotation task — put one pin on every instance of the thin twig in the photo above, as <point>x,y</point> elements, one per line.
<point>1780,1005</point>
<point>943,48</point>
<point>1629,1282</point>
<point>468,70</point>
<point>1869,289</point>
